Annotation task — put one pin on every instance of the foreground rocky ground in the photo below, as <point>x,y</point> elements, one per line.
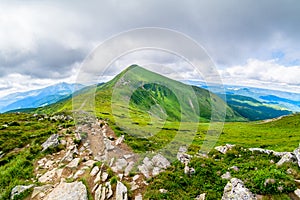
<point>93,163</point>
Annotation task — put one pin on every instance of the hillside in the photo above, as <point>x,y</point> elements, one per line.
<point>177,101</point>
<point>253,109</point>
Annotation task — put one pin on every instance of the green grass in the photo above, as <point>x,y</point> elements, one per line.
<point>207,179</point>
<point>21,136</point>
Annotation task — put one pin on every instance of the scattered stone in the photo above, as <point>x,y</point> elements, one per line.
<point>297,193</point>
<point>236,190</point>
<point>41,190</point>
<point>127,156</point>
<point>297,154</point>
<point>227,176</point>
<point>19,189</point>
<point>121,191</point>
<point>235,168</point>
<point>79,173</point>
<point>138,197</point>
<point>120,140</point>
<point>201,197</point>
<point>289,157</point>
<point>68,191</point>
<point>104,176</point>
<point>136,177</point>
<point>109,190</point>
<point>134,186</point>
<point>108,144</point>
<point>128,168</point>
<point>164,191</point>
<point>120,164</point>
<point>51,142</point>
<point>74,163</point>
<point>98,193</point>
<point>98,177</point>
<point>155,171</point>
<point>89,163</point>
<point>94,171</point>
<point>48,176</point>
<point>182,156</point>
<point>160,161</point>
<point>224,149</point>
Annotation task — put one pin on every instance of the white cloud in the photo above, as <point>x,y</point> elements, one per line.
<point>266,74</point>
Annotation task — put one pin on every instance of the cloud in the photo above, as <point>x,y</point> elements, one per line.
<point>264,74</point>
<point>47,40</point>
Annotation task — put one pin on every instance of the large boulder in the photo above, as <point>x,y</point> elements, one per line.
<point>52,141</point>
<point>236,190</point>
<point>68,191</point>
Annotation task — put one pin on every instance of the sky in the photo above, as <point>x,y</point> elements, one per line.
<point>251,43</point>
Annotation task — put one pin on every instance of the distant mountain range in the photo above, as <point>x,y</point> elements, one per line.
<point>38,98</point>
<point>275,98</point>
<point>243,103</point>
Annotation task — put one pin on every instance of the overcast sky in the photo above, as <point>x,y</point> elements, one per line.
<point>254,43</point>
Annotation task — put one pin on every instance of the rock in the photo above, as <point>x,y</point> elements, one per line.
<point>236,190</point>
<point>68,191</point>
<point>201,197</point>
<point>155,171</point>
<point>227,176</point>
<point>121,191</point>
<point>94,171</point>
<point>235,168</point>
<point>19,189</point>
<point>104,176</point>
<point>48,176</point>
<point>182,156</point>
<point>266,151</point>
<point>224,149</point>
<point>41,190</point>
<point>109,190</point>
<point>127,156</point>
<point>120,140</point>
<point>136,177</point>
<point>98,193</point>
<point>74,163</point>
<point>297,154</point>
<point>98,177</point>
<point>89,163</point>
<point>52,141</point>
<point>108,144</point>
<point>164,191</point>
<point>297,193</point>
<point>138,197</point>
<point>48,164</point>
<point>289,157</point>
<point>79,173</point>
<point>160,161</point>
<point>128,168</point>
<point>119,165</point>
<point>134,186</point>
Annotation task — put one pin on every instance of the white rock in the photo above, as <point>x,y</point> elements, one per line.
<point>136,177</point>
<point>19,189</point>
<point>120,140</point>
<point>121,191</point>
<point>128,168</point>
<point>297,154</point>
<point>297,193</point>
<point>94,171</point>
<point>74,163</point>
<point>201,197</point>
<point>48,176</point>
<point>224,149</point>
<point>163,191</point>
<point>79,173</point>
<point>98,193</point>
<point>41,189</point>
<point>89,163</point>
<point>227,176</point>
<point>110,192</point>
<point>104,176</point>
<point>160,161</point>
<point>52,141</point>
<point>289,157</point>
<point>68,191</point>
<point>236,190</point>
<point>138,197</point>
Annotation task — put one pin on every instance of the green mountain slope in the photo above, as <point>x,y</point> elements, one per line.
<point>253,109</point>
<point>148,95</point>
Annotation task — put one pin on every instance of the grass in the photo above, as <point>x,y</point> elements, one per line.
<point>21,136</point>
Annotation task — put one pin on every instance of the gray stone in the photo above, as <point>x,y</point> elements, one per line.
<point>120,140</point>
<point>121,191</point>
<point>224,149</point>
<point>236,190</point>
<point>94,171</point>
<point>74,163</point>
<point>52,141</point>
<point>109,190</point>
<point>297,193</point>
<point>160,161</point>
<point>155,171</point>
<point>119,165</point>
<point>297,154</point>
<point>68,191</point>
<point>201,197</point>
<point>89,163</point>
<point>138,197</point>
<point>104,176</point>
<point>164,191</point>
<point>98,193</point>
<point>227,176</point>
<point>108,144</point>
<point>19,189</point>
<point>41,189</point>
<point>289,157</point>
<point>128,168</point>
<point>79,173</point>
<point>48,176</point>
